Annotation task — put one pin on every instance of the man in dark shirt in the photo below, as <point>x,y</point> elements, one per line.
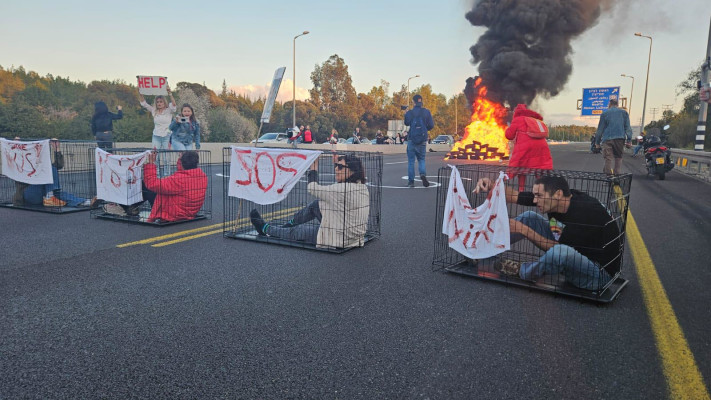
<point>580,238</point>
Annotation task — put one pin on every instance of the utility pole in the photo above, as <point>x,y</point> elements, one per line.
<point>653,111</point>
<point>703,108</point>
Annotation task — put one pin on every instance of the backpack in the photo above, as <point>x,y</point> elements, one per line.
<point>418,131</point>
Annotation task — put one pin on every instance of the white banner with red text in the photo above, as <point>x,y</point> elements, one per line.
<point>266,176</point>
<point>119,178</point>
<point>28,162</point>
<point>480,232</point>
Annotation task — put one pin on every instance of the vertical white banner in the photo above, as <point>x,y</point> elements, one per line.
<point>119,177</point>
<point>273,90</point>
<point>480,232</point>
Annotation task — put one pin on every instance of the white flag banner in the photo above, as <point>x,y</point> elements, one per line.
<point>480,232</point>
<point>266,176</point>
<point>119,177</point>
<point>28,162</point>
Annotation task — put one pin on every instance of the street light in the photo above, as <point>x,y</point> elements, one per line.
<point>408,85</point>
<point>293,83</point>
<point>644,106</point>
<point>631,92</point>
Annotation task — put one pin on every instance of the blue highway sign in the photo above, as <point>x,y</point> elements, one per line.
<point>595,100</point>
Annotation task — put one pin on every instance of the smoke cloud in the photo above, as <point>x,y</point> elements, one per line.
<point>526,50</point>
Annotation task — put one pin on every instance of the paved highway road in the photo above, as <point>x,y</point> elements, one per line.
<point>218,318</point>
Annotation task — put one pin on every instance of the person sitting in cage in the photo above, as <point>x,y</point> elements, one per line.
<point>179,196</point>
<point>51,194</point>
<point>580,238</point>
<point>341,209</point>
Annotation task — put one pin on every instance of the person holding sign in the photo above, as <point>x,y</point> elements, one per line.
<point>341,209</point>
<point>102,124</point>
<point>162,113</point>
<point>186,130</point>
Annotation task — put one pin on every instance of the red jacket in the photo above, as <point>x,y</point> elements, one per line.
<point>179,196</point>
<point>529,134</point>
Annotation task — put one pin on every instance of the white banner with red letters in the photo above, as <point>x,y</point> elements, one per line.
<point>480,232</point>
<point>28,162</point>
<point>152,85</point>
<point>266,176</point>
<point>119,177</point>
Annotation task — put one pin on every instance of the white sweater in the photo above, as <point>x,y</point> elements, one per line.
<point>161,120</point>
<point>344,209</point>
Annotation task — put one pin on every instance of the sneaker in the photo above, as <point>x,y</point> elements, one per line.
<point>114,209</point>
<point>85,203</point>
<point>411,184</point>
<point>508,267</point>
<point>289,224</point>
<point>134,210</point>
<point>425,182</point>
<point>53,202</point>
<point>258,222</point>
<point>94,202</point>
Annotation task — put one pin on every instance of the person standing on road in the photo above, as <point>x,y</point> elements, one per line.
<point>102,124</point>
<point>528,133</point>
<point>420,121</point>
<point>613,132</point>
<point>308,137</point>
<point>162,113</point>
<point>186,130</point>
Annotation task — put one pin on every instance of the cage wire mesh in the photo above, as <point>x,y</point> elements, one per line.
<point>327,216</point>
<point>597,245</point>
<point>73,181</point>
<point>166,194</point>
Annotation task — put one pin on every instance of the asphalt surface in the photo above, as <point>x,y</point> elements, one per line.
<point>221,318</point>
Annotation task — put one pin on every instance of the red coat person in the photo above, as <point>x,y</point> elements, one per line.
<point>529,133</point>
<point>179,196</point>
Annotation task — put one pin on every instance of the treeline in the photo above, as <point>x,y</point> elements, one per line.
<point>47,106</point>
<point>572,133</point>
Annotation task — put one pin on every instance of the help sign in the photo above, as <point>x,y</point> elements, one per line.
<point>152,85</point>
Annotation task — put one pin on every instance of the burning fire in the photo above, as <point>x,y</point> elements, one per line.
<point>484,136</point>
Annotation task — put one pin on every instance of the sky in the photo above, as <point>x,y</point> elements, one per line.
<point>243,43</point>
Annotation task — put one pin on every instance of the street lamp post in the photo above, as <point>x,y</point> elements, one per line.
<point>646,85</point>
<point>631,92</point>
<point>408,86</point>
<point>293,83</point>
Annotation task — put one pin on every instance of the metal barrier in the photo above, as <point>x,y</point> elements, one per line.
<point>695,163</point>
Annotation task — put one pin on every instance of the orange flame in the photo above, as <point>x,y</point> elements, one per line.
<point>485,132</point>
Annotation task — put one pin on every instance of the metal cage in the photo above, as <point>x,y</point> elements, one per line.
<point>173,199</point>
<point>292,222</point>
<point>73,186</point>
<point>511,267</point>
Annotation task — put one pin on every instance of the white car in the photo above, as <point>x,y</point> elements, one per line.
<point>443,139</point>
<point>271,138</point>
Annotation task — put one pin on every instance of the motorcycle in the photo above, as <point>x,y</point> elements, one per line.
<point>594,149</point>
<point>657,157</point>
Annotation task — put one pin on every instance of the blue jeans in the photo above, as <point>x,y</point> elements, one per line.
<point>180,146</point>
<point>578,270</point>
<point>636,149</point>
<point>415,151</point>
<point>35,193</point>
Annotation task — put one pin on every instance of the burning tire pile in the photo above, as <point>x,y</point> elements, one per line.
<point>476,151</point>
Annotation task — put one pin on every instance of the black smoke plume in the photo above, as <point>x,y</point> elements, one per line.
<point>526,50</point>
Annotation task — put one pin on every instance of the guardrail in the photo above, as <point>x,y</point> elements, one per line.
<point>695,163</point>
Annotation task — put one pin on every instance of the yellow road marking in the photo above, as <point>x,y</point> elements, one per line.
<point>683,376</point>
<point>238,223</point>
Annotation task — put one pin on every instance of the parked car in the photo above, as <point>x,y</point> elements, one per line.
<point>443,139</point>
<point>273,137</point>
<point>362,141</point>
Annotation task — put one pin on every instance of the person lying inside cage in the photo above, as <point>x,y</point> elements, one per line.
<point>51,194</point>
<point>340,211</point>
<point>579,236</point>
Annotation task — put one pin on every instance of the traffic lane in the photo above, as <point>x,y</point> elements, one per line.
<point>243,318</point>
<point>674,218</point>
